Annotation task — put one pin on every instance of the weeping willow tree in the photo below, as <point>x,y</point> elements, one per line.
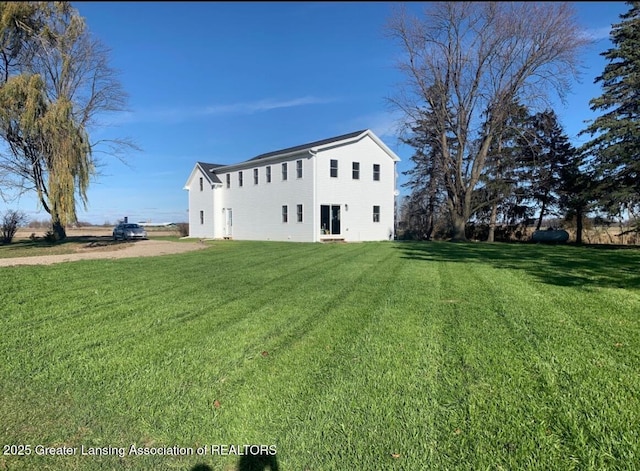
<point>56,82</point>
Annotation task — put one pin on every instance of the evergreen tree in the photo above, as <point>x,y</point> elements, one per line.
<point>615,149</point>
<point>546,152</point>
<point>426,179</point>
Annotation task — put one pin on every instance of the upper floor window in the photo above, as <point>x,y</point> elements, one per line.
<point>355,170</point>
<point>268,171</point>
<point>284,170</point>
<point>376,172</point>
<point>333,168</point>
<point>255,176</point>
<point>228,180</point>
<point>239,178</point>
<point>299,168</point>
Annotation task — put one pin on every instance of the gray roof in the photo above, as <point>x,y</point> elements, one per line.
<point>209,169</point>
<point>310,145</point>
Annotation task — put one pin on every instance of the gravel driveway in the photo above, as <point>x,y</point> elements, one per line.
<point>141,248</point>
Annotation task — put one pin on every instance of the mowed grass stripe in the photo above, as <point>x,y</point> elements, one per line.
<point>357,392</point>
<point>509,370</point>
<point>347,356</point>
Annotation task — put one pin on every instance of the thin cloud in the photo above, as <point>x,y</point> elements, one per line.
<point>596,34</point>
<point>184,113</point>
<point>264,105</point>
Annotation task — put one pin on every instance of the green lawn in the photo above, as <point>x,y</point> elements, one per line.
<point>373,356</point>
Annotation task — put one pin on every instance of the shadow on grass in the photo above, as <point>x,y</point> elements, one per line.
<point>41,242</point>
<point>261,462</point>
<point>562,265</point>
<point>249,462</point>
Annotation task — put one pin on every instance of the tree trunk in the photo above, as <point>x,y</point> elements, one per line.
<point>542,210</point>
<point>459,225</point>
<point>58,229</point>
<point>579,225</point>
<point>56,225</point>
<point>492,222</point>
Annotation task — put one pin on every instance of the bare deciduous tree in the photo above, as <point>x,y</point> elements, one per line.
<point>465,63</point>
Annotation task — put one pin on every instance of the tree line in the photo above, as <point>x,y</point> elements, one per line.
<point>489,150</point>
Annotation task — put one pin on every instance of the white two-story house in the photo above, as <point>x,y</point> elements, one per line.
<point>341,188</point>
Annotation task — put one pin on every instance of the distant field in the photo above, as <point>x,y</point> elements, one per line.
<point>390,356</point>
<point>25,232</point>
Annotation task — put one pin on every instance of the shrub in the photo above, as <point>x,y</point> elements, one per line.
<point>9,223</point>
<point>183,229</point>
<point>50,236</point>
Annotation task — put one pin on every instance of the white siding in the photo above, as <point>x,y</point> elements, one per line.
<point>200,201</point>
<point>357,197</point>
<point>257,209</point>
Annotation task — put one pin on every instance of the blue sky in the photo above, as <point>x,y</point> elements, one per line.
<point>223,82</point>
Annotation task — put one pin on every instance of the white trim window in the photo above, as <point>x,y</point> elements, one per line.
<point>376,214</point>
<point>355,170</point>
<point>298,168</point>
<point>333,168</point>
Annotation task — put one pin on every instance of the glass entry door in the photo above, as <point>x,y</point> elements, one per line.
<point>330,219</point>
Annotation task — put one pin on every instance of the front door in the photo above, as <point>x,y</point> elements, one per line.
<point>330,219</point>
<point>228,222</point>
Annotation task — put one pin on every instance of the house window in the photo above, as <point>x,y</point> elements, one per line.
<point>284,171</point>
<point>201,184</point>
<point>299,168</point>
<point>285,213</point>
<point>239,178</point>
<point>330,219</point>
<point>333,168</point>
<point>355,170</point>
<point>268,170</point>
<point>299,213</point>
<point>255,176</point>
<point>376,172</point>
<point>201,217</point>
<point>376,214</point>
<point>228,180</point>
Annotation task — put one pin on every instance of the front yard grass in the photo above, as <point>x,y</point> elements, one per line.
<point>398,356</point>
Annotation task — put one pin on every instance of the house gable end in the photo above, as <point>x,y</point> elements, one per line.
<point>207,170</point>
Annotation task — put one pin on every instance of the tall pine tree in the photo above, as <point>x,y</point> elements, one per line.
<point>615,143</point>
